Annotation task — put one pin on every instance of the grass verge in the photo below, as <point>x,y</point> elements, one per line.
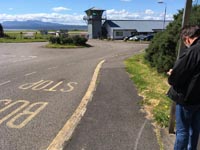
<point>60,46</point>
<point>4,40</point>
<point>65,46</point>
<point>152,87</point>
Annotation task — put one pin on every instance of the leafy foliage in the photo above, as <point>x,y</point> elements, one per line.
<point>162,51</point>
<point>1,31</point>
<point>78,40</point>
<point>75,40</point>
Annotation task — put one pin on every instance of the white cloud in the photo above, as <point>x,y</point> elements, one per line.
<point>53,17</point>
<point>146,14</point>
<point>78,18</point>
<point>121,14</point>
<point>149,12</point>
<point>57,9</point>
<point>10,8</point>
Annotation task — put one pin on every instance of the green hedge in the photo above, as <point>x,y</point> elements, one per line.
<point>75,40</point>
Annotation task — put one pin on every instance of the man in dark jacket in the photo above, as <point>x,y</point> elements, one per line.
<point>184,79</point>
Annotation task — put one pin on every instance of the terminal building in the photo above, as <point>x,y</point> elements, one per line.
<point>99,26</point>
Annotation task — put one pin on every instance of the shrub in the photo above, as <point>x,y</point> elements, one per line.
<point>76,40</point>
<point>1,31</point>
<point>54,40</point>
<point>9,37</point>
<point>67,40</point>
<point>162,51</point>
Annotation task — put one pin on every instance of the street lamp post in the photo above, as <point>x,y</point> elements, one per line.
<point>162,2</point>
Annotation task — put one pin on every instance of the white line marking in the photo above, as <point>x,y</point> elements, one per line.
<point>66,132</point>
<point>52,68</point>
<point>4,83</point>
<point>28,74</point>
<point>139,135</point>
<point>33,56</point>
<point>8,56</point>
<point>22,60</point>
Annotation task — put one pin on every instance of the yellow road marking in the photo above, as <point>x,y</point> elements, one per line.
<point>66,132</point>
<point>46,85</point>
<point>54,87</point>
<point>27,114</point>
<point>38,87</point>
<point>71,88</point>
<point>22,114</point>
<point>24,104</point>
<point>29,85</point>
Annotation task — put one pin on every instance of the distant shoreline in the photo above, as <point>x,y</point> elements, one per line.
<point>34,25</point>
<point>40,29</point>
<point>20,29</point>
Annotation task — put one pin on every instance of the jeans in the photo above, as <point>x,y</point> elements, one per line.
<point>187,127</point>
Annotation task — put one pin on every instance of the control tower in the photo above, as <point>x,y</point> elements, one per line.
<point>94,19</point>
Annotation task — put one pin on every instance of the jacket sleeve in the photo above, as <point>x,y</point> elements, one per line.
<point>183,70</point>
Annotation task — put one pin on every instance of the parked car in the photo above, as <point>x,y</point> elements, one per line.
<point>147,37</point>
<point>137,37</point>
<point>128,37</point>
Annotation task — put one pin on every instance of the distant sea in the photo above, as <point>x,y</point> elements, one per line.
<point>20,30</point>
<point>32,30</point>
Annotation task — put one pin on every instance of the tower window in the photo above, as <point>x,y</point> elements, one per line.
<point>94,14</point>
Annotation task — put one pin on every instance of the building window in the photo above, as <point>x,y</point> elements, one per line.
<point>133,33</point>
<point>119,33</point>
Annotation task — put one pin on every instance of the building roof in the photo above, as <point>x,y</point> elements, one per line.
<point>95,8</point>
<point>138,25</point>
<point>94,11</point>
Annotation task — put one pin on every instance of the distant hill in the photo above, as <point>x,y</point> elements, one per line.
<point>39,25</point>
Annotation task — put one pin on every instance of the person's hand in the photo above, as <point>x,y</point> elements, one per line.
<point>170,72</point>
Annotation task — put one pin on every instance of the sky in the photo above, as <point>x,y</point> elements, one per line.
<point>71,12</point>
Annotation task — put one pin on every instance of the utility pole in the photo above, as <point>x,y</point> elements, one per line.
<point>185,21</point>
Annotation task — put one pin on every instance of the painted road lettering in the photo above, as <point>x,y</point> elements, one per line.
<point>29,85</point>
<point>49,86</point>
<point>53,89</point>
<point>24,104</point>
<point>22,114</point>
<point>42,85</point>
<point>28,114</point>
<point>70,86</point>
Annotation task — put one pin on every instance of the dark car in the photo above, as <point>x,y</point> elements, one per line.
<point>147,37</point>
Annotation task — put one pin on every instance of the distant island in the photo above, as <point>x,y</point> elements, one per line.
<point>39,25</point>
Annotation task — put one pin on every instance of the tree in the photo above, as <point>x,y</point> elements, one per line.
<point>162,51</point>
<point>1,31</point>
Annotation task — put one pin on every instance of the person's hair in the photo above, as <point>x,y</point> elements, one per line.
<point>190,31</point>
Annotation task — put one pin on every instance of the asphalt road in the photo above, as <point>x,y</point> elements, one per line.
<point>114,120</point>
<point>40,88</point>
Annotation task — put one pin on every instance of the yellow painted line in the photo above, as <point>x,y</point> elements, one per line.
<point>66,132</point>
